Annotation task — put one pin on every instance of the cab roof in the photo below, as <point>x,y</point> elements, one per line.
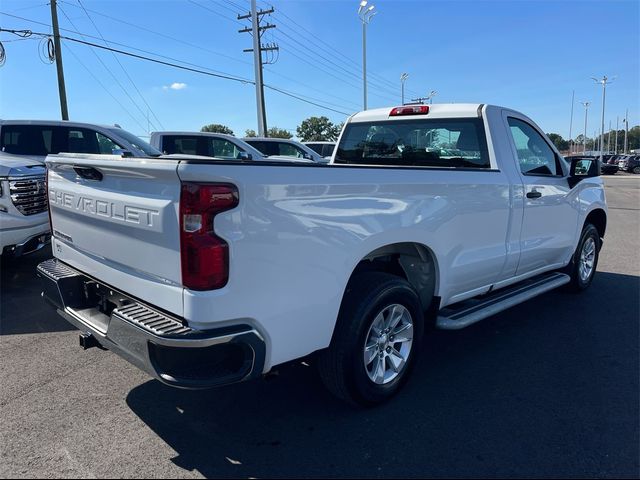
<point>438,110</point>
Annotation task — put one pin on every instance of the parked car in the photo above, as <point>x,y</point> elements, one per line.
<point>284,148</point>
<point>207,144</point>
<point>630,163</point>
<point>324,149</point>
<point>429,214</point>
<point>24,221</point>
<point>38,138</point>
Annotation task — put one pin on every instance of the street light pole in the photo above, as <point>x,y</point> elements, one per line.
<point>403,78</point>
<point>604,81</point>
<point>365,13</point>
<point>626,130</point>
<point>584,138</point>
<point>573,99</point>
<point>617,125</point>
<point>432,94</point>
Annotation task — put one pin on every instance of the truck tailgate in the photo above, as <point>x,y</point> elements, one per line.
<point>116,219</point>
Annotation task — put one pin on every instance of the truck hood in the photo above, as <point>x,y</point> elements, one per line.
<point>18,165</point>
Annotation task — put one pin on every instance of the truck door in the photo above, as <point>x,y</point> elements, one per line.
<point>550,213</point>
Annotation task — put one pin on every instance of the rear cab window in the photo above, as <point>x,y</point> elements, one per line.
<point>444,143</point>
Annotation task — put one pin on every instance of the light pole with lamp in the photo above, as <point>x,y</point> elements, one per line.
<point>603,81</point>
<point>584,138</point>
<point>366,13</point>
<point>403,78</point>
<point>432,94</point>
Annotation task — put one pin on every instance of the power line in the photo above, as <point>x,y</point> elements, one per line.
<point>115,78</point>
<point>328,61</point>
<point>216,12</point>
<point>193,68</point>
<point>95,77</point>
<point>164,35</point>
<point>121,67</point>
<point>208,50</point>
<point>313,38</point>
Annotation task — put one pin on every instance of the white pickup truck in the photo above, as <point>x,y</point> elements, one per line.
<point>204,273</point>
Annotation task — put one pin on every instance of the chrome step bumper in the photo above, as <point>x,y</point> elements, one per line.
<point>156,342</point>
<point>471,311</point>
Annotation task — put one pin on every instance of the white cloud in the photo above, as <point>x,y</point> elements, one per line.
<point>175,86</point>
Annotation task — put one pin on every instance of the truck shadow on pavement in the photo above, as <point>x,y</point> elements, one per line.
<point>547,389</point>
<point>22,310</point>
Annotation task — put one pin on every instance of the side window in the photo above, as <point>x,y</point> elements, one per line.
<point>105,144</point>
<point>288,150</point>
<point>534,154</point>
<point>27,139</point>
<point>81,140</point>
<point>221,148</point>
<point>186,145</point>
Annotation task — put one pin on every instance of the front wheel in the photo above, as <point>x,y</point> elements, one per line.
<point>376,340</point>
<point>636,170</point>
<point>585,259</point>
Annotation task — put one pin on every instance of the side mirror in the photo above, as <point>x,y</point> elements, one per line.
<point>122,152</point>
<point>244,156</point>
<point>582,168</point>
<point>307,156</point>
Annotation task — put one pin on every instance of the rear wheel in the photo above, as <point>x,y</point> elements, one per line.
<point>585,259</point>
<point>376,340</point>
<point>636,169</point>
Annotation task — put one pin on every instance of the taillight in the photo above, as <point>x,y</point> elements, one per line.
<point>204,256</point>
<point>410,110</point>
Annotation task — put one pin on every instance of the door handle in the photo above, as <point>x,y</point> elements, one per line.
<point>88,173</point>
<point>534,194</point>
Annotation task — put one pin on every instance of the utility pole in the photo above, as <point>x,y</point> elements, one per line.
<point>573,99</point>
<point>584,138</point>
<point>617,126</point>
<point>256,32</point>
<point>56,41</point>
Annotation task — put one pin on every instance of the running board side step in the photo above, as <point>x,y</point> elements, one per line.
<point>467,313</point>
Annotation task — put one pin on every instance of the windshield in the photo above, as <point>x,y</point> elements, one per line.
<point>136,142</point>
<point>448,143</point>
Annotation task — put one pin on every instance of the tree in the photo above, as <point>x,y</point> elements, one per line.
<point>560,143</point>
<point>315,129</point>
<point>273,132</point>
<point>217,128</point>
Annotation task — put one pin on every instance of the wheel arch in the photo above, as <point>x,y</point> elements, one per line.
<point>413,261</point>
<point>598,218</point>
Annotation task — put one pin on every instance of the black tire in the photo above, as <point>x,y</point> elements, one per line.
<point>578,283</point>
<point>341,366</point>
<point>636,170</point>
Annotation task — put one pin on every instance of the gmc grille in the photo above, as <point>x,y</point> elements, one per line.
<point>29,195</point>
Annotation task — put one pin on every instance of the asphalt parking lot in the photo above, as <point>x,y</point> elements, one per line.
<point>549,388</point>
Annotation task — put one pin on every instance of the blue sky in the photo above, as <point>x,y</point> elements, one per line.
<point>527,55</point>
